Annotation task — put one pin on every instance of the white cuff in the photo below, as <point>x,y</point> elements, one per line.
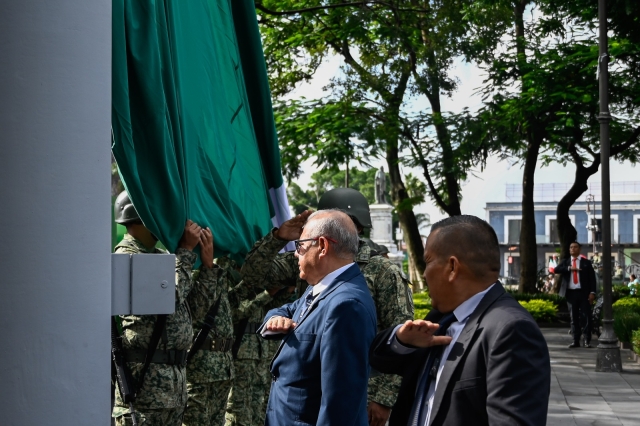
<point>395,344</point>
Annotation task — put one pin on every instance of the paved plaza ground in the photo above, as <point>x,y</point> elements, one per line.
<point>580,396</point>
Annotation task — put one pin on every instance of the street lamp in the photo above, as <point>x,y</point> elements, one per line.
<point>592,224</point>
<point>608,358</point>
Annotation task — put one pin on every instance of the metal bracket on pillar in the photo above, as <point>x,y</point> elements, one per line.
<point>604,117</point>
<point>143,284</point>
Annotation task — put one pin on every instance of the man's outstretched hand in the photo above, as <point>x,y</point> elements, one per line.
<point>419,333</point>
<point>190,236</point>
<point>292,229</point>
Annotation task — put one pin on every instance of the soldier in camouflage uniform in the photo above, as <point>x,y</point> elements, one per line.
<point>247,403</point>
<point>211,371</point>
<point>389,289</point>
<point>163,395</point>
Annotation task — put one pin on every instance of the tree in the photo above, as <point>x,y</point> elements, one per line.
<point>550,61</point>
<point>393,52</point>
<point>583,144</point>
<point>324,180</point>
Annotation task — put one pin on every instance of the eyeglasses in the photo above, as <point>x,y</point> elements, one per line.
<point>298,243</point>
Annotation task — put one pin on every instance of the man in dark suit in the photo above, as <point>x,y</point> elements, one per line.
<point>495,367</point>
<point>320,371</point>
<point>579,288</point>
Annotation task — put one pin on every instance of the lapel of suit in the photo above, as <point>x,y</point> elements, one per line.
<point>463,339</point>
<point>337,282</point>
<point>340,279</point>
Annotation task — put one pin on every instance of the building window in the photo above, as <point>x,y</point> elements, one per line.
<point>553,231</point>
<point>599,231</point>
<point>513,235</point>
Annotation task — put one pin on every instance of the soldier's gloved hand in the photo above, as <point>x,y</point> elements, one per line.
<point>190,236</point>
<point>206,248</point>
<point>292,229</point>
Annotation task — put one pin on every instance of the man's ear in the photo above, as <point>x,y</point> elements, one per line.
<point>453,268</point>
<point>324,246</point>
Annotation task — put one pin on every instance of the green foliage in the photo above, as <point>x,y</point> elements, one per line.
<point>625,322</point>
<point>420,313</point>
<point>635,340</point>
<point>626,317</point>
<point>627,303</point>
<point>540,310</point>
<point>395,55</point>
<point>620,291</point>
<point>326,179</point>
<point>525,297</point>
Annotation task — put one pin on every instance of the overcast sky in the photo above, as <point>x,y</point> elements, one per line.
<point>486,186</point>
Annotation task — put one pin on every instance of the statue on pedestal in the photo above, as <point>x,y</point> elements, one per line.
<point>381,186</point>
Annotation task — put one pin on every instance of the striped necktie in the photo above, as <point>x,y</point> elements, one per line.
<point>431,372</point>
<point>307,303</point>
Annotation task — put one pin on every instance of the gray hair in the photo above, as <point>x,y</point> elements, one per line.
<point>337,225</point>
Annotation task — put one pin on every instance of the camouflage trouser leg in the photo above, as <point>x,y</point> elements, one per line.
<point>207,403</point>
<point>153,417</point>
<point>265,386</point>
<point>246,406</point>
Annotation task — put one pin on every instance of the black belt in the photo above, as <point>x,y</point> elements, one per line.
<point>219,344</point>
<point>252,327</point>
<point>170,357</point>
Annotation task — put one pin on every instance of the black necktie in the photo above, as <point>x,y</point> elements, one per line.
<point>431,370</point>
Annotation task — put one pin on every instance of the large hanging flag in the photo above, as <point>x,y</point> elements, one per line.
<point>193,130</point>
<point>257,84</point>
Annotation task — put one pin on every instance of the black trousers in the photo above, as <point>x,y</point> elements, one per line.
<point>580,312</point>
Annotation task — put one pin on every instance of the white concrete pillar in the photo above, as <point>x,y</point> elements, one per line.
<point>55,296</point>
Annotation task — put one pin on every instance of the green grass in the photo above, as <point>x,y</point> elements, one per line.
<point>421,305</point>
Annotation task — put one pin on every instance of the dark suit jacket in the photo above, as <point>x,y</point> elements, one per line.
<point>586,274</point>
<point>497,373</point>
<point>321,369</point>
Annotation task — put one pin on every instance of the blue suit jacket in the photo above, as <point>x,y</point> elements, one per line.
<point>321,369</point>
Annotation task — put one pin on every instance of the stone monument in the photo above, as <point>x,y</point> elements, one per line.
<point>381,220</point>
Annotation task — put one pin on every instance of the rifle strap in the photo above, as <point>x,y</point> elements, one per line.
<point>238,331</point>
<point>158,330</point>
<point>209,322</point>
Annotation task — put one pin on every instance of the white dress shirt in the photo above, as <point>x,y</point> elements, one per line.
<point>462,314</point>
<point>316,289</point>
<point>572,285</point>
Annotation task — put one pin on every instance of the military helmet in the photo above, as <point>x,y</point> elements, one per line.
<point>350,201</point>
<point>123,210</point>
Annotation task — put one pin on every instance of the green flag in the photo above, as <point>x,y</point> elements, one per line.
<point>189,141</point>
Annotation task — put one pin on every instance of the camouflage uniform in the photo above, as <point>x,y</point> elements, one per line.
<point>162,398</point>
<point>211,370</point>
<point>247,403</point>
<point>390,292</point>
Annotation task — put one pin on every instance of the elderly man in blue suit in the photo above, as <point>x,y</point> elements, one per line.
<point>321,369</point>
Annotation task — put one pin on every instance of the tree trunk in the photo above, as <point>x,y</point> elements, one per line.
<point>566,231</point>
<point>528,245</point>
<point>408,221</point>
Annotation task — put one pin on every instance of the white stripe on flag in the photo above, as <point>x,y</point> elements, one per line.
<point>280,204</point>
